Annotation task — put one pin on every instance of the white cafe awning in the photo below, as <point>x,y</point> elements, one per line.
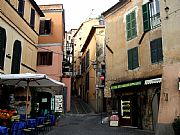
<point>34,80</point>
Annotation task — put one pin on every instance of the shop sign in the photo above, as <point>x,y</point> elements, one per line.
<point>118,86</point>
<point>152,81</point>
<point>58,103</point>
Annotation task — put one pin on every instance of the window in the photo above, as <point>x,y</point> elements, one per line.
<point>87,59</point>
<point>45,27</point>
<point>131,25</point>
<point>16,60</point>
<point>44,58</point>
<point>2,46</point>
<point>156,50</point>
<point>151,15</point>
<point>32,19</point>
<point>133,58</point>
<point>21,8</point>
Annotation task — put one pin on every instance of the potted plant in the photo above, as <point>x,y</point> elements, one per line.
<point>176,125</point>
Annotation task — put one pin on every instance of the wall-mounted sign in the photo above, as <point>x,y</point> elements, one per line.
<point>44,100</point>
<point>58,103</point>
<point>118,86</point>
<point>152,81</point>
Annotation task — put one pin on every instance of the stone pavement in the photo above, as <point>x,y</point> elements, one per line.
<point>90,124</point>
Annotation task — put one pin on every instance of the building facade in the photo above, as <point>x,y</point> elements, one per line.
<point>50,52</point>
<point>92,64</point>
<point>19,30</point>
<point>134,60</point>
<point>170,97</point>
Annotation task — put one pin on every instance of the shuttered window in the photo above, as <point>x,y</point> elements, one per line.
<point>32,19</point>
<point>131,25</point>
<point>45,27</point>
<point>2,46</point>
<point>87,59</point>
<point>156,50</point>
<point>16,60</point>
<point>44,58</point>
<point>21,8</point>
<point>146,17</point>
<point>151,15</point>
<point>133,61</point>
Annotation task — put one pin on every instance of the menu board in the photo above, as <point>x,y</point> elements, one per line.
<point>58,103</point>
<point>125,109</point>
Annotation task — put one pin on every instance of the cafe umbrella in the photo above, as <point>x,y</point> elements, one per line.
<point>29,80</point>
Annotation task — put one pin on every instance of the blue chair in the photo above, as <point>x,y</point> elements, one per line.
<point>3,130</point>
<point>22,117</point>
<point>14,128</point>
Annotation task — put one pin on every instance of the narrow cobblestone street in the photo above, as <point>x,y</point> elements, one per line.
<point>90,124</point>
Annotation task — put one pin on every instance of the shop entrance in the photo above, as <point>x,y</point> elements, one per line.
<point>44,100</point>
<point>129,110</point>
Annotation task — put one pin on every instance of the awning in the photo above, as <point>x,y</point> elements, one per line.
<point>35,80</point>
<point>152,81</point>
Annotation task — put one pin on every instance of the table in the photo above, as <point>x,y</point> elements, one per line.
<point>3,130</point>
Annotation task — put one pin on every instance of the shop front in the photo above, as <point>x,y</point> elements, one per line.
<point>137,103</point>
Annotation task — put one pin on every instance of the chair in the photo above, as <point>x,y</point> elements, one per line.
<point>40,124</point>
<point>3,130</point>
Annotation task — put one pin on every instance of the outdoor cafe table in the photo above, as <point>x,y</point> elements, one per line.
<point>3,130</point>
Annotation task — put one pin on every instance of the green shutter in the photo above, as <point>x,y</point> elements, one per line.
<point>130,59</point>
<point>128,26</point>
<point>135,58</point>
<point>153,46</point>
<point>133,24</point>
<point>159,50</point>
<point>146,17</point>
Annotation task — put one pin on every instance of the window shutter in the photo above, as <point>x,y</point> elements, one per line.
<point>42,27</point>
<point>2,46</point>
<point>130,59</point>
<point>21,8</point>
<point>146,17</point>
<point>32,21</point>
<point>128,26</point>
<point>133,24</point>
<point>159,50</point>
<point>153,47</point>
<point>47,26</point>
<point>16,60</point>
<point>135,58</point>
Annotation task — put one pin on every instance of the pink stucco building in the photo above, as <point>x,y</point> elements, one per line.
<point>50,47</point>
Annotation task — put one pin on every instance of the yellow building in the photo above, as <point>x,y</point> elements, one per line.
<point>92,62</point>
<point>134,58</point>
<point>19,31</point>
<point>19,25</point>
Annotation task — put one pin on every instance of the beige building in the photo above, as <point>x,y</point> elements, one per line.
<point>79,39</point>
<point>134,58</point>
<point>19,31</point>
<point>92,63</point>
<point>169,107</point>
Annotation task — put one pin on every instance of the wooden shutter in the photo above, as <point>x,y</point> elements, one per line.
<point>32,20</point>
<point>42,27</point>
<point>135,58</point>
<point>16,60</point>
<point>133,24</point>
<point>146,17</point>
<point>21,8</point>
<point>130,59</point>
<point>2,46</point>
<point>47,26</point>
<point>128,26</point>
<point>153,47</point>
<point>159,50</point>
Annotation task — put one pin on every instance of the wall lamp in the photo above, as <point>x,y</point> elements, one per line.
<point>166,10</point>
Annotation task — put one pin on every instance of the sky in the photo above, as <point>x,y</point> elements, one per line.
<point>78,11</point>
